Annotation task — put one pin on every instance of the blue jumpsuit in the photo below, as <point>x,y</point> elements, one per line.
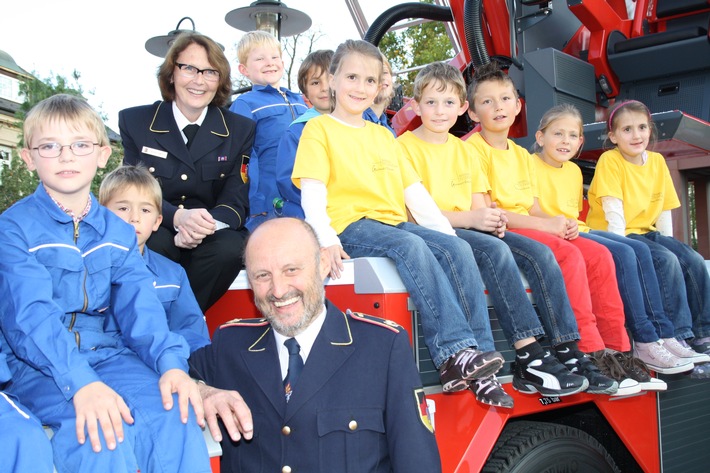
<point>174,291</point>
<point>273,110</point>
<point>23,444</point>
<point>61,282</point>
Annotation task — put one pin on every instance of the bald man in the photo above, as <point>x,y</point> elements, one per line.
<point>329,391</point>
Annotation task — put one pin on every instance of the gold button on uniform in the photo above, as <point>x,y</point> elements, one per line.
<point>181,206</point>
<point>182,198</point>
<point>286,469</point>
<point>221,176</point>
<point>352,425</point>
<point>183,177</point>
<point>151,169</point>
<point>286,430</point>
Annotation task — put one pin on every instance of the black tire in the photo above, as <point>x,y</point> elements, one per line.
<point>533,447</point>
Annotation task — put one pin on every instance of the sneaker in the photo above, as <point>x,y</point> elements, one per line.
<point>468,364</point>
<point>701,371</point>
<point>609,366</point>
<point>598,383</point>
<point>548,377</point>
<point>682,350</point>
<point>658,359</point>
<point>638,371</point>
<point>489,391</point>
<point>701,345</point>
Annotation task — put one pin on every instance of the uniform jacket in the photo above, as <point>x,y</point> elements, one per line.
<point>61,283</point>
<point>174,291</point>
<point>210,175</point>
<point>272,110</point>
<point>357,405</point>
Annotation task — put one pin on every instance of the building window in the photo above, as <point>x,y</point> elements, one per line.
<point>10,89</point>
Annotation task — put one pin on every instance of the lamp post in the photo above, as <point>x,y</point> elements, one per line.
<point>159,45</point>
<point>272,16</point>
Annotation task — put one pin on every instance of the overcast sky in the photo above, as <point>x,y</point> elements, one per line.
<point>105,41</point>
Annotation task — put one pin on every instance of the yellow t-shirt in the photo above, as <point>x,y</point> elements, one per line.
<point>510,172</point>
<point>561,190</point>
<point>645,190</point>
<point>449,171</point>
<point>364,170</point>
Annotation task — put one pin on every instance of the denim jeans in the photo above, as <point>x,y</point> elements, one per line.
<point>516,314</point>
<point>638,286</point>
<point>684,282</point>
<point>442,279</point>
<point>544,276</point>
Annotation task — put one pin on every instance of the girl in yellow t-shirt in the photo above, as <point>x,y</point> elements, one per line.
<point>632,194</point>
<point>356,188</point>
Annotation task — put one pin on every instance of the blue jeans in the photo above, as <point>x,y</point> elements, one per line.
<point>544,276</point>
<point>442,278</point>
<point>516,314</point>
<point>684,282</point>
<point>638,286</point>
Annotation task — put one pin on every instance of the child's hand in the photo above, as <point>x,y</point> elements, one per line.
<point>97,405</point>
<point>486,219</point>
<point>572,229</point>
<point>177,381</point>
<point>231,408</point>
<point>556,226</point>
<point>336,255</point>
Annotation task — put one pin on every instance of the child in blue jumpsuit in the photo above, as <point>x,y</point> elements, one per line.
<point>67,266</point>
<point>23,444</point>
<point>133,194</point>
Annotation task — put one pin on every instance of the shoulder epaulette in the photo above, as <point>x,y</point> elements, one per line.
<point>252,322</point>
<point>371,319</point>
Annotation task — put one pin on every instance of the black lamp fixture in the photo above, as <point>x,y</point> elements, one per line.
<point>159,45</point>
<point>272,16</point>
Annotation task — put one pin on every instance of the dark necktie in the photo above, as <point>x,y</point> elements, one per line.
<point>190,132</point>
<point>295,365</point>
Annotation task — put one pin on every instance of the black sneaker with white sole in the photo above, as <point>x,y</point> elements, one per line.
<point>583,365</point>
<point>546,376</point>
<point>466,365</point>
<point>490,391</point>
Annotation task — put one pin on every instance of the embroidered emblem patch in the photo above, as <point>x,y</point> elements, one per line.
<point>423,409</point>
<point>244,168</point>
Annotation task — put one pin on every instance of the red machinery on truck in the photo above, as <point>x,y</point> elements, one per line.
<point>589,53</point>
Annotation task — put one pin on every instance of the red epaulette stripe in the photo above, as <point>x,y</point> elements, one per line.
<point>245,323</point>
<point>371,319</point>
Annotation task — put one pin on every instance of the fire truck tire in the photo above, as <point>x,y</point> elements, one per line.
<point>532,447</point>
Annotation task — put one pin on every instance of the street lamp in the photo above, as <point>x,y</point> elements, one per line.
<point>271,16</point>
<point>159,45</point>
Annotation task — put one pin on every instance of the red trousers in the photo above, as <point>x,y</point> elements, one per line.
<point>590,278</point>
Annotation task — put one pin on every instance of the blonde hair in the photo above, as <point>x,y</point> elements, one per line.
<point>74,111</point>
<point>555,113</point>
<point>441,76</point>
<point>385,97</point>
<point>356,46</point>
<point>124,177</point>
<point>255,39</point>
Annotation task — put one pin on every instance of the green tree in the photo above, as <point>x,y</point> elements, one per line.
<point>17,181</point>
<point>415,46</point>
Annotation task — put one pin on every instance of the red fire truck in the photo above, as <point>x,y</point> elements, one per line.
<point>589,53</point>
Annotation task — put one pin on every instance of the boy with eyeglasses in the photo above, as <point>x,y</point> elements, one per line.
<point>67,267</point>
<point>273,108</point>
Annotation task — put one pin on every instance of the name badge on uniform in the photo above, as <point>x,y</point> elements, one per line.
<point>159,153</point>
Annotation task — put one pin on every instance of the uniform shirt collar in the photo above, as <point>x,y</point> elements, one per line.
<point>305,339</point>
<point>182,121</point>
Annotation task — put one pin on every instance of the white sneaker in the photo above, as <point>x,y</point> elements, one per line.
<point>658,359</point>
<point>627,387</point>
<point>682,350</point>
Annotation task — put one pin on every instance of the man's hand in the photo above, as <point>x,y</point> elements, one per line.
<point>231,408</point>
<point>96,405</point>
<point>177,381</point>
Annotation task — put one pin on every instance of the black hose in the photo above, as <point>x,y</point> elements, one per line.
<point>473,31</point>
<point>403,11</point>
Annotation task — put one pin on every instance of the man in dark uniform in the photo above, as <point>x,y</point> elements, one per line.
<point>329,391</point>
